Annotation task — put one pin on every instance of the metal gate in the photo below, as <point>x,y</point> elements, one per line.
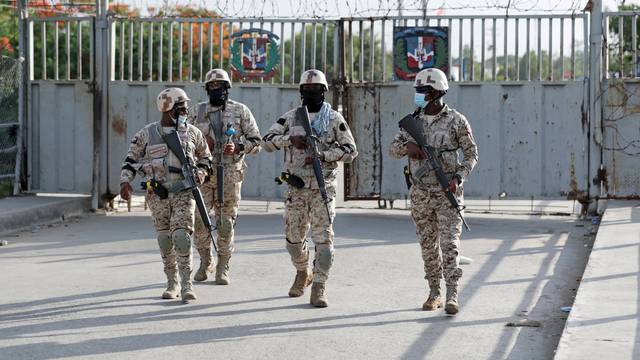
<point>530,121</point>
<point>61,104</point>
<point>93,81</point>
<point>150,54</point>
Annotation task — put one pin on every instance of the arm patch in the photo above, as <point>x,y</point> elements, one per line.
<point>343,127</point>
<point>281,121</point>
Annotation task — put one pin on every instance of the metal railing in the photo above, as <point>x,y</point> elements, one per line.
<point>481,48</point>
<point>620,45</point>
<point>61,48</point>
<point>163,49</point>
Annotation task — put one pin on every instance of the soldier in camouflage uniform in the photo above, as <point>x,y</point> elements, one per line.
<point>232,149</point>
<point>437,222</point>
<point>305,208</point>
<point>172,206</point>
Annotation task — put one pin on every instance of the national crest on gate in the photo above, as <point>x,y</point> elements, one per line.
<point>255,54</point>
<point>418,48</point>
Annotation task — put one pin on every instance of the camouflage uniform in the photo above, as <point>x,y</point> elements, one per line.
<point>438,225</point>
<point>304,207</point>
<point>173,217</point>
<point>248,136</point>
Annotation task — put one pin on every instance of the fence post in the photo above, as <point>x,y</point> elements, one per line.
<point>102,56</point>
<point>24,40</point>
<point>595,100</point>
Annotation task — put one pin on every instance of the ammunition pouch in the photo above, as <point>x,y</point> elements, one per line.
<point>158,189</point>
<point>290,179</point>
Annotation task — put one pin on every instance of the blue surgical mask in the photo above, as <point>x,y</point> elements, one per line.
<point>182,119</point>
<point>419,100</point>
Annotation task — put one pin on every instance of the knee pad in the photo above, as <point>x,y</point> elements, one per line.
<point>324,256</point>
<point>297,248</point>
<point>182,240</point>
<point>225,226</point>
<point>164,241</point>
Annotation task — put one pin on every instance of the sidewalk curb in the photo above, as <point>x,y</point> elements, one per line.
<point>40,214</point>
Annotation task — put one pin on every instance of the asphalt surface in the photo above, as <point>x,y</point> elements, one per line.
<point>89,288</point>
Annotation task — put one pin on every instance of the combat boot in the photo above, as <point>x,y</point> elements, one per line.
<point>173,286</point>
<point>222,270</point>
<point>187,287</point>
<point>206,266</point>
<point>451,307</point>
<point>318,298</point>
<point>434,301</point>
<point>302,280</point>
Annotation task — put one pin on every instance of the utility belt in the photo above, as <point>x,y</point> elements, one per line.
<point>162,190</point>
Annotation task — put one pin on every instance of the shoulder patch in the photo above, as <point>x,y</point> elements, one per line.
<point>281,121</point>
<point>343,127</point>
<point>134,140</point>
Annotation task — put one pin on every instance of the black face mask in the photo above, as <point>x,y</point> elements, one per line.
<point>313,100</point>
<point>217,97</point>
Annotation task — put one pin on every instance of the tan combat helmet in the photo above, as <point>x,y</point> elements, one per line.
<point>169,97</point>
<point>217,75</point>
<point>435,78</point>
<point>313,76</point>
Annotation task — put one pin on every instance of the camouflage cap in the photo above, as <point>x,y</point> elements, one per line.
<point>217,75</point>
<point>169,97</point>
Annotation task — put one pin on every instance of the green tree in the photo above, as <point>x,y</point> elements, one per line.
<point>621,50</point>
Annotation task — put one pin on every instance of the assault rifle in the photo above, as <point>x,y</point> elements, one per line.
<point>409,124</point>
<point>303,116</point>
<point>189,172</point>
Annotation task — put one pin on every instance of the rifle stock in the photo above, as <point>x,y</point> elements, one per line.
<point>411,126</point>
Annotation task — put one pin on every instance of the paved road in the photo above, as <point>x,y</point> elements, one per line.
<point>89,288</point>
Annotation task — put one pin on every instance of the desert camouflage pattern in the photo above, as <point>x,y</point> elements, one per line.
<point>438,225</point>
<point>150,157</point>
<point>247,134</point>
<point>448,132</point>
<point>305,209</point>
<point>217,75</point>
<point>225,238</point>
<point>169,97</point>
<point>304,212</point>
<point>337,145</point>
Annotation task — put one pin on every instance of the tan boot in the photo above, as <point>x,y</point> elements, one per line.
<point>206,266</point>
<point>434,301</point>
<point>173,286</point>
<point>451,307</point>
<point>187,287</point>
<point>222,270</point>
<point>302,280</point>
<point>318,297</point>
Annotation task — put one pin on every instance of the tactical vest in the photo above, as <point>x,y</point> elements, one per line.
<point>294,158</point>
<point>161,163</point>
<point>206,122</point>
<point>422,175</point>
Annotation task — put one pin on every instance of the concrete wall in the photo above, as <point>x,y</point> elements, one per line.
<point>532,138</point>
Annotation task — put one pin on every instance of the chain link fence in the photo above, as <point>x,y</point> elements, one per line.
<point>10,77</point>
